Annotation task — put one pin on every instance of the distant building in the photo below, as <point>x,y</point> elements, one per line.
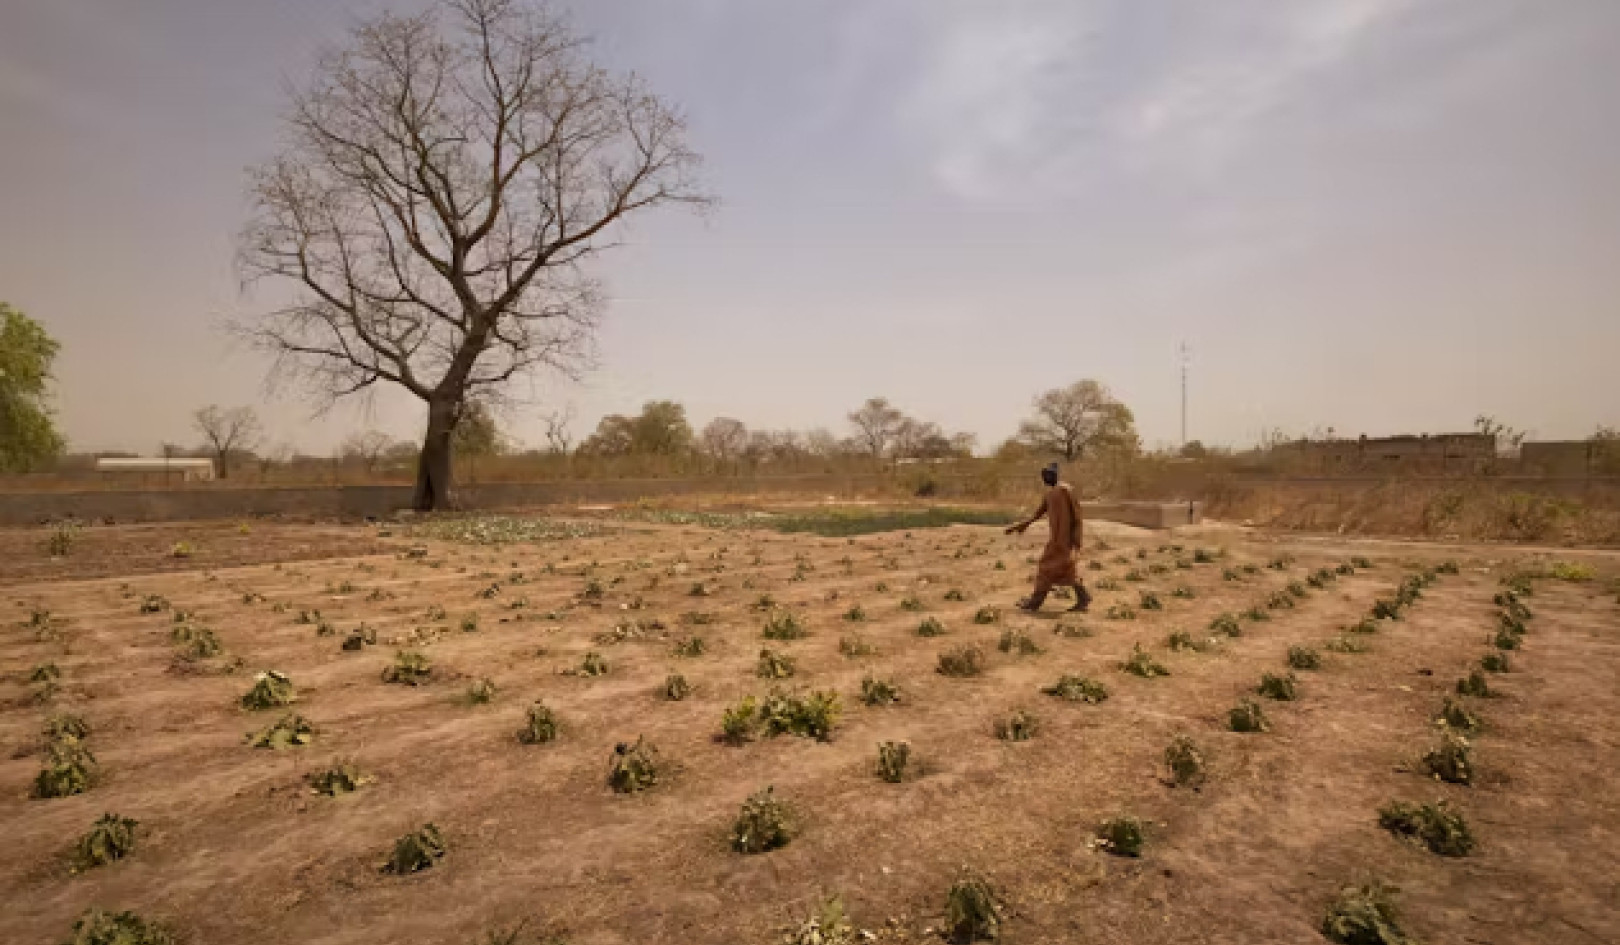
<point>167,467</point>
<point>1436,452</point>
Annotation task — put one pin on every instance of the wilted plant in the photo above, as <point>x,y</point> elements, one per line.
<point>195,642</point>
<point>774,664</point>
<point>1072,631</point>
<point>1135,574</point>
<point>44,673</point>
<point>1273,686</point>
<point>1183,592</point>
<point>1345,644</point>
<point>972,910</point>
<point>1020,726</point>
<point>764,823</point>
<point>1226,624</point>
<point>1280,600</point>
<point>930,627</point>
<point>1185,761</point>
<point>288,731</point>
<point>416,851</point>
<point>337,780</point>
<point>469,623</point>
<point>1447,567</point>
<point>783,625</point>
<point>1077,689</point>
<point>826,926</point>
<point>154,603</point>
<point>110,838</point>
<point>1107,584</point>
<point>1296,589</point>
<point>482,691</point>
<point>855,646</point>
<point>986,615</point>
<point>698,618</point>
<point>63,536</point>
<point>1439,826</point>
<point>893,759</point>
<point>875,691</point>
<point>955,594</point>
<point>96,927</point>
<point>539,725</point>
<point>1364,915</point>
<point>1473,685</point>
<point>1451,760</point>
<point>360,637</point>
<point>689,646</point>
<point>1180,640</point>
<point>409,668</point>
<point>1018,643</point>
<point>1455,715</point>
<point>676,687</point>
<point>1121,612</point>
<point>1303,657</point>
<point>271,689</point>
<point>69,769</point>
<point>1121,836</point>
<point>1141,663</point>
<point>634,768</point>
<point>65,725</point>
<point>911,602</point>
<point>1247,716</point>
<point>1150,601</point>
<point>1231,574</point>
<point>964,660</point>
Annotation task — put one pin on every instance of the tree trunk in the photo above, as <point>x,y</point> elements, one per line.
<point>433,465</point>
<point>224,464</point>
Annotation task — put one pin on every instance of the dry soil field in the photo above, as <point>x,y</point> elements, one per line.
<point>233,845</point>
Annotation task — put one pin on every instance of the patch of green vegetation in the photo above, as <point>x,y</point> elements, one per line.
<point>1571,571</point>
<point>966,660</point>
<point>675,687</point>
<point>1018,643</point>
<point>738,722</point>
<point>109,839</point>
<point>810,716</point>
<point>764,823</point>
<point>539,725</point>
<point>286,732</point>
<point>1226,624</point>
<point>1121,836</point>
<point>410,668</point>
<point>1072,688</point>
<point>1364,915</point>
<point>505,529</point>
<point>65,725</point>
<point>986,615</point>
<point>634,768</point>
<point>271,690</point>
<point>482,691</point>
<point>1185,761</point>
<point>1281,688</point>
<point>774,664</point>
<point>1303,657</point>
<point>876,691</point>
<point>1248,717</point>
<point>69,769</point>
<point>826,926</point>
<point>416,851</point>
<point>1495,663</point>
<point>1141,663</point>
<point>1452,760</point>
<point>783,625</point>
<point>195,642</point>
<point>1020,726</point>
<point>1474,684</point>
<point>1438,826</point>
<point>338,780</point>
<point>97,927</point>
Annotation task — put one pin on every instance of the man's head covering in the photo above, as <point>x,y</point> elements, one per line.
<point>1049,475</point>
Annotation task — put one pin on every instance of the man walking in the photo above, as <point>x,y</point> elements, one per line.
<point>1057,561</point>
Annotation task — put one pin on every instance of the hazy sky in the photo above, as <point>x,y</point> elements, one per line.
<point>1374,215</point>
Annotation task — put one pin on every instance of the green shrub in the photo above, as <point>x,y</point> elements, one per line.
<point>410,668</point>
<point>986,615</point>
<point>1141,663</point>
<point>1077,689</point>
<point>1451,760</point>
<point>286,732</point>
<point>893,759</point>
<point>1456,715</point>
<point>482,691</point>
<point>962,661</point>
<point>1247,716</point>
<point>855,646</point>
<point>875,691</point>
<point>539,725</point>
<point>1018,643</point>
<point>271,689</point>
<point>634,767</point>
<point>1364,915</point>
<point>1121,836</point>
<point>416,851</point>
<point>195,642</point>
<point>1226,624</point>
<point>738,722</point>
<point>811,716</point>
<point>1438,826</point>
<point>764,823</point>
<point>110,838</point>
<point>1571,571</point>
<point>676,687</point>
<point>69,769</point>
<point>96,927</point>
<point>1473,685</point>
<point>1020,726</point>
<point>972,910</point>
<point>1303,657</point>
<point>1185,761</point>
<point>774,664</point>
<point>930,627</point>
<point>337,780</point>
<point>1277,687</point>
<point>783,625</point>
<point>1495,663</point>
<point>765,603</point>
<point>65,725</point>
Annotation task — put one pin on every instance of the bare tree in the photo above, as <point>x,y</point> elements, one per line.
<point>724,438</point>
<point>447,177</point>
<point>228,432</point>
<point>367,448</point>
<point>877,424</point>
<point>558,437</point>
<point>1071,420</point>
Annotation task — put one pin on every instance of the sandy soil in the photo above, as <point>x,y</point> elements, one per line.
<point>234,848</point>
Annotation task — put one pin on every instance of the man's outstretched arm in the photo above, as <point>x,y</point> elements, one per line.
<point>1020,526</point>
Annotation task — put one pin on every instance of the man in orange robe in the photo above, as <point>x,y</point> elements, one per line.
<point>1056,567</point>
